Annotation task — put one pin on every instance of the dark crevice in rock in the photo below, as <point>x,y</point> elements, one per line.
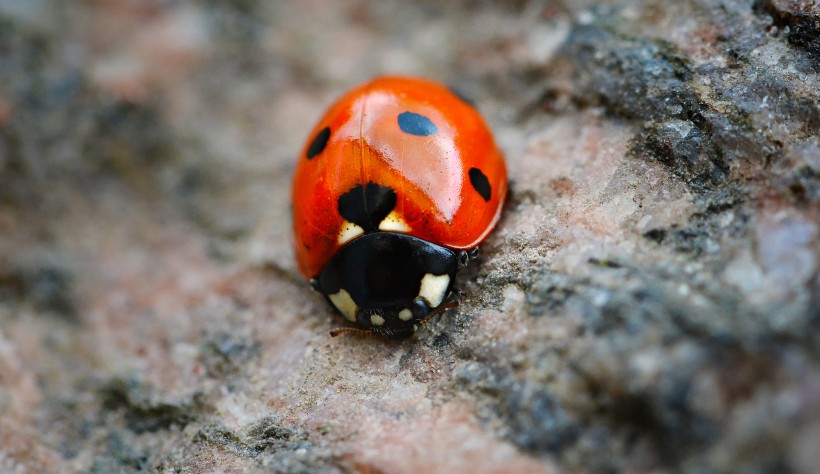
<point>647,80</point>
<point>800,22</point>
<point>699,132</point>
<point>223,354</point>
<point>46,288</point>
<point>67,143</point>
<point>216,435</point>
<point>270,443</point>
<point>535,419</point>
<point>143,410</point>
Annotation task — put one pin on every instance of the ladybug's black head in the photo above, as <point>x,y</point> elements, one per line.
<point>390,282</point>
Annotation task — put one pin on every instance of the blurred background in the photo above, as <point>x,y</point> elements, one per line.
<point>649,301</point>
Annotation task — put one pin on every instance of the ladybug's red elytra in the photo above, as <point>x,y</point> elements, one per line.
<point>397,185</point>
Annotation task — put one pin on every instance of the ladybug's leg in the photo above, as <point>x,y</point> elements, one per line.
<point>453,299</point>
<point>459,296</point>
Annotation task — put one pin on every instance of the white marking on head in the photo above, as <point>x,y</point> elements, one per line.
<point>405,314</point>
<point>348,232</point>
<point>345,304</point>
<point>434,288</point>
<point>376,320</point>
<point>394,222</point>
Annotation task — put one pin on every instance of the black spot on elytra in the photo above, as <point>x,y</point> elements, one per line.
<point>368,205</point>
<point>458,93</point>
<point>319,143</point>
<point>416,124</point>
<point>480,183</point>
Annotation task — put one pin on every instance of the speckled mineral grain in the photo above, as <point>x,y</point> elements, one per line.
<point>649,302</point>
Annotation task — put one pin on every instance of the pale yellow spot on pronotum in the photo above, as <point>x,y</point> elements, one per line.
<point>348,232</point>
<point>376,320</point>
<point>394,223</point>
<point>434,288</point>
<point>405,314</point>
<point>345,304</point>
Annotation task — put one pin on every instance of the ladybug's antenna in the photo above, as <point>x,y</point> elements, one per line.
<point>363,332</point>
<point>452,301</point>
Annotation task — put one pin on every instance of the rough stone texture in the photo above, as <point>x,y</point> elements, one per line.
<point>649,302</point>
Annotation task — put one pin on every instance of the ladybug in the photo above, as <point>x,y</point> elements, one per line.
<point>397,185</point>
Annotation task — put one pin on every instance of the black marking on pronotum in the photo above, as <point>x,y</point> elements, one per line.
<point>416,124</point>
<point>480,183</point>
<point>319,143</point>
<point>382,273</point>
<point>368,205</point>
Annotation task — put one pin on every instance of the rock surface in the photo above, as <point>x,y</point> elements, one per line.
<point>650,300</point>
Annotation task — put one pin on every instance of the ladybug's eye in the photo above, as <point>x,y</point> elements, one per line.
<point>419,309</point>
